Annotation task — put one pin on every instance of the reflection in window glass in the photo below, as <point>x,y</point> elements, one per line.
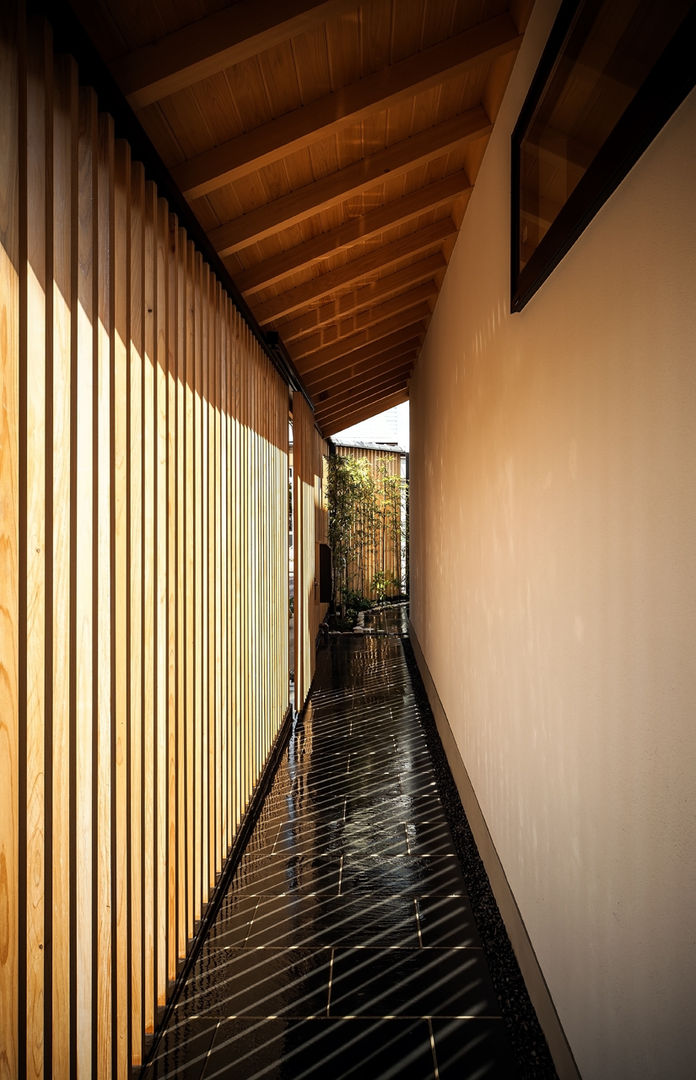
<point>608,51</point>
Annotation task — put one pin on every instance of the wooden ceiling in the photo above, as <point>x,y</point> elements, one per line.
<point>328,148</point>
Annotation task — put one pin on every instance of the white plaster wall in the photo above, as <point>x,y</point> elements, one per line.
<point>553,578</point>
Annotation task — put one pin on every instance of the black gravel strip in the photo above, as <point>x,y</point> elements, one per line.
<point>527,1039</point>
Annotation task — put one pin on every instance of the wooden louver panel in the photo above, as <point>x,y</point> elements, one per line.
<point>143,486</point>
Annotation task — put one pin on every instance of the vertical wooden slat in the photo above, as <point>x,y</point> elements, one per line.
<point>160,750</point>
<point>65,128</point>
<point>235,598</point>
<point>9,537</point>
<point>33,354</point>
<point>181,642</point>
<point>149,627</point>
<point>135,630</point>
<point>205,571</point>
<point>103,614</point>
<point>189,518</point>
<point>213,587</point>
<point>121,687</point>
<point>222,572</point>
<point>84,543</point>
<point>198,593</point>
<point>246,495</point>
<point>148,598</point>
<point>172,345</point>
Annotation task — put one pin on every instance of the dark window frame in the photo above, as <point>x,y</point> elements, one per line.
<point>671,79</point>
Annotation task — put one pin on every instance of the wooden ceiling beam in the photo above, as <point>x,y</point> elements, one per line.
<point>362,175</point>
<point>332,427</point>
<point>344,373</point>
<point>363,296</point>
<point>329,115</point>
<point>359,398</point>
<point>351,324</point>
<point>215,42</point>
<point>338,400</point>
<point>396,212</point>
<point>377,259</point>
<point>381,365</point>
<point>342,349</point>
<point>374,348</point>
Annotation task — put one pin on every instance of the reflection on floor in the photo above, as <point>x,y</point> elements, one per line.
<point>346,945</point>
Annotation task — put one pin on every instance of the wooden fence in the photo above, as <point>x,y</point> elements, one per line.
<point>143,577</point>
<point>311,528</point>
<point>378,537</point>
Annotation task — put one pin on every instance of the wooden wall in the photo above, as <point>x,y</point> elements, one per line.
<point>311,529</point>
<point>143,577</point>
<point>382,538</point>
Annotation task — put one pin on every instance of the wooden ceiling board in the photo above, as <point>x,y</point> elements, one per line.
<point>407,29</point>
<point>346,377</point>
<point>373,223</point>
<point>322,313</point>
<point>354,271</point>
<point>311,198</point>
<point>343,41</point>
<point>328,149</point>
<point>326,411</point>
<point>422,225</point>
<point>353,374</point>
<point>171,62</point>
<point>281,78</point>
<point>312,67</point>
<point>375,33</point>
<point>374,348</point>
<point>438,21</point>
<point>375,389</point>
<point>351,324</point>
<point>378,405</point>
<point>415,82</point>
<point>376,332</point>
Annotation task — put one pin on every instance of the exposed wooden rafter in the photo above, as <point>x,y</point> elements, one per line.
<point>342,330</point>
<point>363,296</point>
<point>216,42</point>
<point>345,136</point>
<point>372,350</point>
<point>302,203</point>
<point>372,334</point>
<point>330,114</point>
<point>381,362</point>
<point>377,259</point>
<point>358,229</point>
<point>378,404</point>
<point>374,398</point>
<point>334,401</point>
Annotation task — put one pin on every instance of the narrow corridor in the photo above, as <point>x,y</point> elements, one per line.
<point>347,944</point>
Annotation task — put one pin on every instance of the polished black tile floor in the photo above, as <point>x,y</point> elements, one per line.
<point>346,945</point>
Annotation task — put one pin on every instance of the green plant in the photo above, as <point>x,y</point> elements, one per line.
<point>380,583</point>
<point>366,509</point>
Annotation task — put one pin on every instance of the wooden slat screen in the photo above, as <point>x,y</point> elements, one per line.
<point>381,538</point>
<point>143,577</point>
<point>310,528</point>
